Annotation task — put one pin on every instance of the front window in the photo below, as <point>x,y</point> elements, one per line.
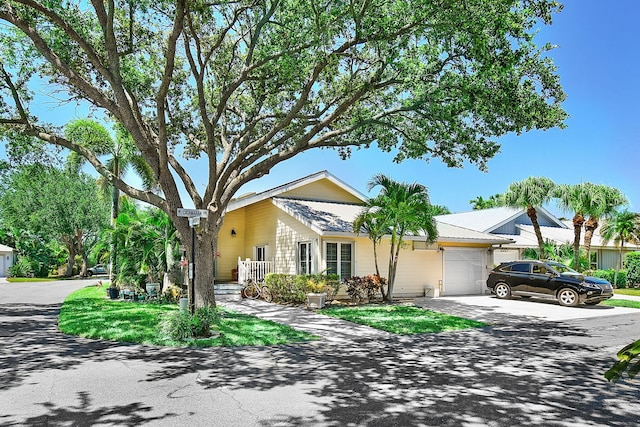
<point>304,258</point>
<point>339,258</point>
<point>261,253</point>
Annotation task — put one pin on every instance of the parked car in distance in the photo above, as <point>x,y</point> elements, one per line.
<point>96,269</point>
<point>548,279</point>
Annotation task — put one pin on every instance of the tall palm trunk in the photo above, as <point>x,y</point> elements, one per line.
<point>375,261</point>
<point>578,222</point>
<point>533,216</point>
<point>393,265</point>
<point>619,263</point>
<point>590,227</point>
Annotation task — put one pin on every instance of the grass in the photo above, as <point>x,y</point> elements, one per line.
<point>400,319</point>
<point>634,292</point>
<point>88,313</point>
<point>621,303</point>
<point>31,279</point>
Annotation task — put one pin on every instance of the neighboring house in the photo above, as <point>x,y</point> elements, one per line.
<point>305,227</point>
<point>6,259</point>
<point>514,223</point>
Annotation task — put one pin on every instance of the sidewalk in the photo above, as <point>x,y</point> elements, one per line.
<point>325,327</point>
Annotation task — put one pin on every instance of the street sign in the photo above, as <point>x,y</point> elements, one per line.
<point>193,221</point>
<point>190,213</point>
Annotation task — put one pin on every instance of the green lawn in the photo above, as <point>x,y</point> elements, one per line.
<point>621,303</point>
<point>401,319</point>
<point>31,279</point>
<point>88,313</point>
<point>634,292</point>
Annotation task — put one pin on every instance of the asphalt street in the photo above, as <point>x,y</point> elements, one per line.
<point>518,371</point>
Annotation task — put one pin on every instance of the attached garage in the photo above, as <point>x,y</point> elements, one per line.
<point>465,271</point>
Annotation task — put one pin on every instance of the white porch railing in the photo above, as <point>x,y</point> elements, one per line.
<point>253,270</point>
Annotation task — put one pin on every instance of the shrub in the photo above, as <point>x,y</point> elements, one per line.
<point>364,289</point>
<point>293,289</point>
<point>179,325</point>
<point>632,265</point>
<point>22,268</point>
<point>610,275</point>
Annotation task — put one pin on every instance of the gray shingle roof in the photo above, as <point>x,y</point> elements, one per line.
<point>336,218</point>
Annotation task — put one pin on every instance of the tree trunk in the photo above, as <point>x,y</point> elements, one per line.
<point>71,249</point>
<point>578,221</point>
<point>113,244</point>
<point>375,260</point>
<point>533,216</point>
<point>392,272</point>
<point>393,266</point>
<point>203,268</point>
<point>80,250</point>
<point>589,228</point>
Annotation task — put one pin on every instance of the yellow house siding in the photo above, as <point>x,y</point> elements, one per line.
<point>416,270</point>
<point>229,247</point>
<point>289,232</point>
<point>321,190</point>
<point>260,228</point>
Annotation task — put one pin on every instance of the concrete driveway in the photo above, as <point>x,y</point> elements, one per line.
<point>489,308</point>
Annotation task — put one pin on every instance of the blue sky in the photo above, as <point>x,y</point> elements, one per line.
<point>599,66</point>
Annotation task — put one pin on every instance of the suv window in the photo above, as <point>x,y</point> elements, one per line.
<point>519,267</point>
<point>539,269</point>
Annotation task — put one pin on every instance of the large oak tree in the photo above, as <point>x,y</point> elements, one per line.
<point>248,84</point>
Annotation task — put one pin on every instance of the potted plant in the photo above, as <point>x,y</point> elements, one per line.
<point>152,284</point>
<point>317,295</point>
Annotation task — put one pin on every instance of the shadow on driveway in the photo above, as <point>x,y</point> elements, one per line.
<point>513,373</point>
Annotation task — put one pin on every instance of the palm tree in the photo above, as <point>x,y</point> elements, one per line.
<point>586,199</point>
<point>123,157</point>
<point>480,203</point>
<point>369,222</point>
<point>528,194</point>
<point>402,209</point>
<point>621,227</point>
<point>609,199</point>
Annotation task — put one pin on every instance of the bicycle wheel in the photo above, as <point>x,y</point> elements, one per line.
<point>251,291</point>
<point>266,294</point>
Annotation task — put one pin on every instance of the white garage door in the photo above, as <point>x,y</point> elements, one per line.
<point>465,271</point>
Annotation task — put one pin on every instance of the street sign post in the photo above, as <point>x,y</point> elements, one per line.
<point>194,216</point>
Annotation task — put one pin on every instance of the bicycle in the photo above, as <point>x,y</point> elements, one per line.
<point>255,290</point>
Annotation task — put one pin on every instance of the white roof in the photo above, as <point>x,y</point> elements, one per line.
<point>487,220</point>
<point>329,218</point>
<point>565,235</point>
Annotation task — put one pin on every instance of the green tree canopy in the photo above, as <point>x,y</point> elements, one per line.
<point>54,203</point>
<point>245,85</point>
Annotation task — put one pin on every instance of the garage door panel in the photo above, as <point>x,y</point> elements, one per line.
<point>464,271</point>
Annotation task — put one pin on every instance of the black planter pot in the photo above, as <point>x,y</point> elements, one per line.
<point>113,293</point>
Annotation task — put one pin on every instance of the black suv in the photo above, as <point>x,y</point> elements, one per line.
<point>547,280</point>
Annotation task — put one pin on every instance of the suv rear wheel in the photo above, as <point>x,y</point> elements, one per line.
<point>502,290</point>
<point>568,297</point>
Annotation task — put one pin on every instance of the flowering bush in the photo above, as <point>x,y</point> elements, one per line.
<point>364,289</point>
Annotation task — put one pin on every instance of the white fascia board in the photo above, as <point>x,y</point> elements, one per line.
<point>249,200</point>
